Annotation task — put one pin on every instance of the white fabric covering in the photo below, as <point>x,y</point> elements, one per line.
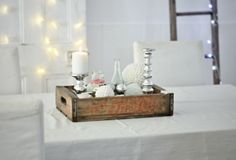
<point>9,70</point>
<point>21,129</point>
<point>176,63</point>
<point>203,128</point>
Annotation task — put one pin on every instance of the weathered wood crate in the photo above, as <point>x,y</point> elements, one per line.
<point>117,107</point>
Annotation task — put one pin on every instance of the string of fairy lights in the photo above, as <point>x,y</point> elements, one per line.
<point>52,51</point>
<point>209,42</point>
<point>39,20</point>
<point>4,10</point>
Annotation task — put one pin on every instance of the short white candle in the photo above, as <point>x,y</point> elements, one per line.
<point>79,63</point>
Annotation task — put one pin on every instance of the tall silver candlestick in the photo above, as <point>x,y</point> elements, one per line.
<point>147,83</point>
<point>80,85</point>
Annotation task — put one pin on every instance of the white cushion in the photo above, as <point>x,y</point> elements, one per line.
<point>21,129</point>
<point>9,70</point>
<point>174,63</point>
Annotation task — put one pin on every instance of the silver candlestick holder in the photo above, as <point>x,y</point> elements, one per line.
<point>147,83</point>
<point>80,85</point>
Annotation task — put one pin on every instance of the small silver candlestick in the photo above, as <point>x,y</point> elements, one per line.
<point>80,85</point>
<point>147,83</point>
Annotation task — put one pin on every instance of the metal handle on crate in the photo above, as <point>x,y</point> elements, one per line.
<point>63,101</point>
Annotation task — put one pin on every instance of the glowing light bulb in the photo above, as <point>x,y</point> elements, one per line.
<point>49,49</point>
<point>52,52</point>
<point>209,41</point>
<point>214,68</point>
<point>53,25</point>
<point>210,6</point>
<point>79,43</point>
<point>209,56</point>
<point>4,9</point>
<point>47,40</point>
<point>78,25</point>
<point>41,71</point>
<point>39,20</point>
<point>55,52</point>
<point>4,40</point>
<point>212,22</point>
<point>51,2</point>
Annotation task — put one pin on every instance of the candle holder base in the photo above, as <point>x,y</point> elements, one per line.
<point>80,85</point>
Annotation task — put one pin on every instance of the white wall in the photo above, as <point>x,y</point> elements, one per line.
<point>43,66</point>
<point>113,25</point>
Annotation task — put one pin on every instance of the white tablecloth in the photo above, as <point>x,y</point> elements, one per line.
<point>203,128</point>
<point>21,130</point>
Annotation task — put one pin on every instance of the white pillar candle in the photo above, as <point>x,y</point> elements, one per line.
<point>79,62</point>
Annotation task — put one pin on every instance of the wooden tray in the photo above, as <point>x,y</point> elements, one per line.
<point>117,107</point>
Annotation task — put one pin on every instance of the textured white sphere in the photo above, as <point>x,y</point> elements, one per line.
<point>133,73</point>
<point>90,87</point>
<point>133,89</point>
<point>104,91</point>
<point>84,95</point>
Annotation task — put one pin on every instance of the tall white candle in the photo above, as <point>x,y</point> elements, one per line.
<point>79,62</point>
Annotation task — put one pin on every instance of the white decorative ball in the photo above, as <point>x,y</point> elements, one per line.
<point>84,95</point>
<point>90,87</point>
<point>104,91</point>
<point>133,89</point>
<point>133,73</point>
